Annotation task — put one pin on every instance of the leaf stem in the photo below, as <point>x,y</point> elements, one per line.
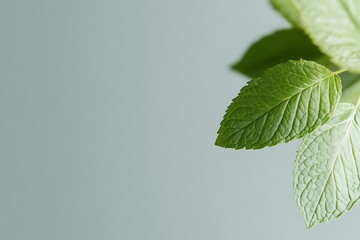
<point>341,71</point>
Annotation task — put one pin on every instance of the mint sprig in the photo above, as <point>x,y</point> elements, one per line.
<point>290,98</point>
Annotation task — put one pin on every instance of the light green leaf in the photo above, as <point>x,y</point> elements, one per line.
<point>334,25</point>
<point>288,10</point>
<point>278,47</point>
<point>326,172</point>
<point>286,102</point>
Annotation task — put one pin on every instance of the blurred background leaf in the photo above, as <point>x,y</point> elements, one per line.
<point>288,10</point>
<point>278,47</point>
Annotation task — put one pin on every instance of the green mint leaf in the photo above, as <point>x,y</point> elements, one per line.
<point>286,102</point>
<point>288,10</point>
<point>327,167</point>
<point>278,47</point>
<point>334,25</point>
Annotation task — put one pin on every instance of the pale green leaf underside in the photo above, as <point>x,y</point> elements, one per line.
<point>288,10</point>
<point>326,172</point>
<point>286,102</point>
<point>334,25</point>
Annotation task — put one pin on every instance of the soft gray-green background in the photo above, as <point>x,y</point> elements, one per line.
<point>109,110</point>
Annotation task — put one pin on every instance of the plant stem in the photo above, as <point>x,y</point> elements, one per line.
<point>341,71</point>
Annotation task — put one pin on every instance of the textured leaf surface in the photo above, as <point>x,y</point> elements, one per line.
<point>288,10</point>
<point>276,48</point>
<point>286,102</point>
<point>335,27</point>
<point>326,173</point>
